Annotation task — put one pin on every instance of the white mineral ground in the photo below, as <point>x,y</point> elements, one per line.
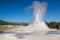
<point>17,34</point>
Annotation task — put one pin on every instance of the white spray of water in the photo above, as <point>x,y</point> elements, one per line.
<point>39,11</point>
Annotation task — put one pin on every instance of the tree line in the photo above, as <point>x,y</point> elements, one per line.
<point>53,25</point>
<point>49,24</point>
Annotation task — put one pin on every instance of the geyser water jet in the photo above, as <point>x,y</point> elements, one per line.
<point>38,24</point>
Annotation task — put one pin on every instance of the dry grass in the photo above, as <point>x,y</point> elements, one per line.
<point>7,28</point>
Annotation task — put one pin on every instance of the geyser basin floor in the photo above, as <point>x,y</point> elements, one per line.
<point>37,35</point>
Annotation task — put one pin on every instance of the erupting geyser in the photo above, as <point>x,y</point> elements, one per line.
<point>38,24</point>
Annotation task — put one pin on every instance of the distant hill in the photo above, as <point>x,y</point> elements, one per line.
<point>12,23</point>
<point>3,22</point>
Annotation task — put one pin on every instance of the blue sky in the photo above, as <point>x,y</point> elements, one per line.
<point>13,10</point>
